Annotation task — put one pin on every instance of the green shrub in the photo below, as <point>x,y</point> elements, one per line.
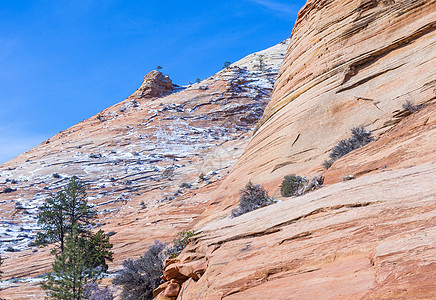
<point>178,244</point>
<point>186,185</point>
<point>252,197</point>
<point>293,185</point>
<point>226,64</point>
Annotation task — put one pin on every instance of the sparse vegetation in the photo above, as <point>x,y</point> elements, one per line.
<point>56,175</point>
<point>186,185</point>
<point>8,190</point>
<point>293,185</point>
<point>71,270</point>
<point>143,206</point>
<point>359,138</point>
<point>252,197</point>
<point>178,244</point>
<point>327,163</point>
<point>159,68</point>
<point>140,277</point>
<point>202,177</point>
<point>226,64</point>
<point>260,62</point>
<point>91,291</point>
<point>62,211</point>
<point>410,107</point>
<point>66,218</point>
<point>94,155</point>
<point>98,250</point>
<point>314,183</point>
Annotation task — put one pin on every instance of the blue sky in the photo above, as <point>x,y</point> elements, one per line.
<point>64,61</point>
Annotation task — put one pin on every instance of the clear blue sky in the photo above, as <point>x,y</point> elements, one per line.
<point>64,61</point>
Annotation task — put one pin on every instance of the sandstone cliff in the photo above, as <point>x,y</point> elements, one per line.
<point>349,63</point>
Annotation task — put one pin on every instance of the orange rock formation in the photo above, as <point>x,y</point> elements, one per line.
<point>349,63</point>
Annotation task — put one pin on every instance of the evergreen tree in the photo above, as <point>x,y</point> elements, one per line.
<point>62,211</point>
<point>71,270</point>
<point>52,220</point>
<point>1,272</point>
<point>78,211</point>
<point>98,250</point>
<point>66,217</point>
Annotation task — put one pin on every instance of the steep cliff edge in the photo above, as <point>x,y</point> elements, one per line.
<point>349,63</point>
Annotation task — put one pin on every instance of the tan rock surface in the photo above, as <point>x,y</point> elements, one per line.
<point>373,238</point>
<point>409,143</point>
<point>349,63</point>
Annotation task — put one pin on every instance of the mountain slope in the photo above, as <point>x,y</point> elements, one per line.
<point>135,156</point>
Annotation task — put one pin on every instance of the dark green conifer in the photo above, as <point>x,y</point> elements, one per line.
<point>62,211</point>
<point>71,270</point>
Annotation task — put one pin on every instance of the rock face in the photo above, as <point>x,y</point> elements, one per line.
<point>142,159</point>
<point>349,63</point>
<point>155,84</point>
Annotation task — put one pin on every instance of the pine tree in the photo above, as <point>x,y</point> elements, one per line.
<point>71,269</point>
<point>78,211</point>
<point>52,220</point>
<point>62,211</point>
<point>66,217</point>
<point>98,250</point>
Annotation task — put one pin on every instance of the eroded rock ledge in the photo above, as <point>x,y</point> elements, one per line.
<point>345,241</point>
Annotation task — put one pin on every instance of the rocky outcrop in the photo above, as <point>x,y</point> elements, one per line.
<point>155,84</point>
<point>344,241</point>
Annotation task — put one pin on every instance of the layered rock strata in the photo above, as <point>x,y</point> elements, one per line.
<point>349,63</point>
